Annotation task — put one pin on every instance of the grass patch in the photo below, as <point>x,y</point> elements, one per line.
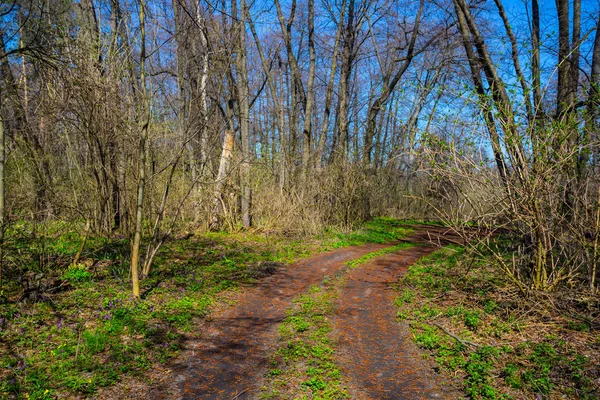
<point>303,365</point>
<point>378,230</point>
<point>367,257</point>
<point>465,316</point>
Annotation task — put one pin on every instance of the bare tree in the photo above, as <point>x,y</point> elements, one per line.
<point>244,112</point>
<point>145,122</point>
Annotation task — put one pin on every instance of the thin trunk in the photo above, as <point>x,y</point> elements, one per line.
<point>286,30</point>
<point>515,59</point>
<point>388,88</point>
<point>590,133</point>
<point>348,55</point>
<point>535,58</point>
<point>243,108</point>
<point>536,76</point>
<point>292,120</point>
<point>226,155</point>
<point>484,103</point>
<point>279,115</point>
<point>382,140</point>
<point>563,100</point>
<point>329,92</point>
<point>203,89</point>
<point>575,51</point>
<point>354,150</point>
<point>382,132</point>
<point>145,118</point>
<point>156,240</point>
<point>506,114</point>
<point>307,129</point>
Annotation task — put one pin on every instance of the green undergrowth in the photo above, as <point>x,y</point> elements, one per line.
<point>464,315</point>
<point>303,366</point>
<point>71,329</point>
<point>378,230</point>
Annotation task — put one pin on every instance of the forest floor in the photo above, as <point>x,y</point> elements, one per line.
<point>395,310</point>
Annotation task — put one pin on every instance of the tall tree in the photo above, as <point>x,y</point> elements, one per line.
<point>390,80</point>
<point>143,138</point>
<point>243,109</point>
<point>348,56</point>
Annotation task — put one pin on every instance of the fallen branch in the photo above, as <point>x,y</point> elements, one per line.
<point>453,336</point>
<point>239,394</point>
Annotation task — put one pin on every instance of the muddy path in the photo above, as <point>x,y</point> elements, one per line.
<point>376,352</point>
<point>229,355</point>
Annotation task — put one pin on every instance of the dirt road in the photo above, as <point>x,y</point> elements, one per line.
<point>229,357</point>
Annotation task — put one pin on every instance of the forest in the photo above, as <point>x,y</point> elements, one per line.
<point>243,199</point>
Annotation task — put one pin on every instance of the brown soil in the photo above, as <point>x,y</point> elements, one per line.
<point>228,355</point>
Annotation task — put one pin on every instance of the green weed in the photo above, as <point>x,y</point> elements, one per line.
<point>367,257</point>
<point>77,273</point>
<point>306,354</point>
<point>94,333</point>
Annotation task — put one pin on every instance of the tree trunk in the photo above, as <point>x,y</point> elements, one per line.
<point>203,89</point>
<point>515,59</point>
<point>145,117</point>
<point>226,155</point>
<point>348,55</point>
<point>307,129</point>
<point>590,133</point>
<point>329,93</point>
<point>563,100</point>
<point>243,109</point>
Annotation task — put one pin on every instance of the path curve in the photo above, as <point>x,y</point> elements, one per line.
<point>229,356</point>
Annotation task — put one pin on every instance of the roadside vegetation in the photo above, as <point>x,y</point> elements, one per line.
<point>76,327</point>
<point>493,342</point>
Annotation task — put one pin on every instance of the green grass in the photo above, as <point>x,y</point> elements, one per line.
<point>304,365</point>
<point>378,230</point>
<point>450,289</point>
<point>367,257</point>
<point>92,333</point>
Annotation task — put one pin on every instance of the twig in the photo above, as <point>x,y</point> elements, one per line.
<point>239,394</point>
<point>462,341</point>
<point>63,283</point>
<point>83,241</point>
<point>78,342</point>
